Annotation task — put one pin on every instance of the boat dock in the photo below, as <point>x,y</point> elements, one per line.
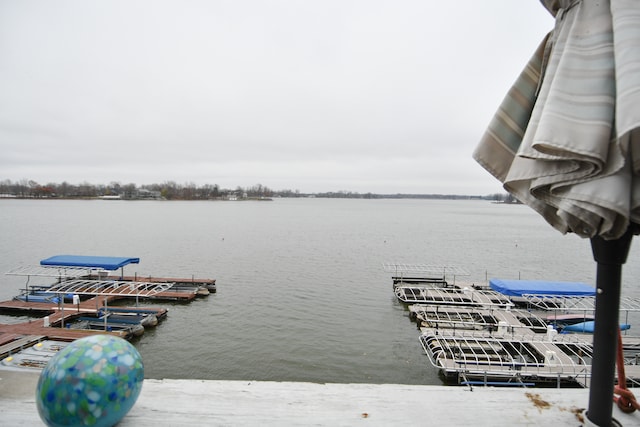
<point>506,334</point>
<point>80,300</point>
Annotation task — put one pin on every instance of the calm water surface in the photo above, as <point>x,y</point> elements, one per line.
<point>302,295</point>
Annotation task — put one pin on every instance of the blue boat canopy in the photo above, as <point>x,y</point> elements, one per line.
<point>518,288</point>
<point>588,327</point>
<point>105,262</point>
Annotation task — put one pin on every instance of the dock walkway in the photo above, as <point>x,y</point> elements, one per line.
<point>36,328</point>
<point>250,403</point>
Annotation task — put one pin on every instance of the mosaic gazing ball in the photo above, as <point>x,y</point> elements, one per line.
<point>94,381</point>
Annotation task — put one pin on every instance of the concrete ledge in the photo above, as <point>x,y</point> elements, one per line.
<point>247,403</point>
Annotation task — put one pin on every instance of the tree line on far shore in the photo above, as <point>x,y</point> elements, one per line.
<point>171,190</point>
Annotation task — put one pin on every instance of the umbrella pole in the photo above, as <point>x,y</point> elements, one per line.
<point>610,255</point>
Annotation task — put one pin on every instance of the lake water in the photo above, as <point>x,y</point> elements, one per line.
<point>302,294</point>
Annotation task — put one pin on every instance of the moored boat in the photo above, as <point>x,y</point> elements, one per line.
<point>38,296</point>
<point>97,324</point>
<point>529,293</point>
<point>146,317</point>
<point>559,320</point>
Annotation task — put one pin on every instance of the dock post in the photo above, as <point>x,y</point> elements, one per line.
<point>61,310</point>
<point>105,313</point>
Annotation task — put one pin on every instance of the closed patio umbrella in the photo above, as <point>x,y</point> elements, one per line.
<point>566,142</point>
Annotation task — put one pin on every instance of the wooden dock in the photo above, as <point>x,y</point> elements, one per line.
<point>92,290</point>
<point>90,286</point>
<point>257,403</point>
<point>36,328</point>
<point>58,316</point>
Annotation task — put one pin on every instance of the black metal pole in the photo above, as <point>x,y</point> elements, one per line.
<point>610,256</point>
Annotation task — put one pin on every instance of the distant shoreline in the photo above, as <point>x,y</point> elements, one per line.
<point>170,190</point>
<point>269,199</point>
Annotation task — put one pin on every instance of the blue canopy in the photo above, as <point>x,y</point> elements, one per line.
<point>588,327</point>
<point>517,288</point>
<point>105,262</point>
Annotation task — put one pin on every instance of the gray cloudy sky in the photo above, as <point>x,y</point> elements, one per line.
<point>327,95</point>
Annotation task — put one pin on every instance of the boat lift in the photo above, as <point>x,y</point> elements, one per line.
<point>61,273</point>
<point>451,296</point>
<point>489,360</point>
<point>403,272</point>
<point>475,318</point>
<point>107,288</point>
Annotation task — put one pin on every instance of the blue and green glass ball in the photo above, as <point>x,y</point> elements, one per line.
<point>94,381</point>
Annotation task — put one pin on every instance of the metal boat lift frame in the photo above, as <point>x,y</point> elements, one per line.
<point>451,296</point>
<point>59,272</point>
<point>425,271</point>
<point>477,318</point>
<point>70,282</point>
<point>504,359</point>
<point>107,288</point>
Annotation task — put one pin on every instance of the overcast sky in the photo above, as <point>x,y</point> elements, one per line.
<point>360,95</point>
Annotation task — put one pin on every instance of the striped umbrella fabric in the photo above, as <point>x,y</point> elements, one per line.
<point>566,138</point>
<point>566,142</point>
